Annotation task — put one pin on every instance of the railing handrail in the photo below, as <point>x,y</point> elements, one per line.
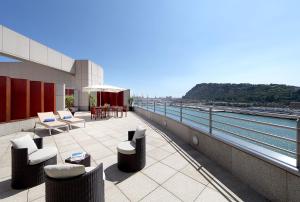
<point>258,122</point>
<point>183,115</point>
<point>257,141</point>
<point>257,131</point>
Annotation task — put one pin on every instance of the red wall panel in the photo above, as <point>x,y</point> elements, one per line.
<point>69,91</point>
<point>36,97</point>
<point>113,99</point>
<point>120,99</point>
<point>98,99</point>
<point>49,97</point>
<point>5,99</point>
<point>105,98</point>
<point>20,98</point>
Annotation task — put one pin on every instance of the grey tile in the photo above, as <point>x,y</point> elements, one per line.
<point>137,186</point>
<point>183,187</point>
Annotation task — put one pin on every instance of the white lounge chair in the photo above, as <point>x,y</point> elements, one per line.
<point>49,121</point>
<point>67,117</point>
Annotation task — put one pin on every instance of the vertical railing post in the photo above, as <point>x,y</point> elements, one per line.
<point>298,144</point>
<point>165,108</point>
<point>147,103</point>
<point>154,106</point>
<point>181,111</point>
<point>210,120</point>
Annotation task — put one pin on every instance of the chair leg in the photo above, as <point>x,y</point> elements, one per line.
<point>70,127</point>
<point>50,131</point>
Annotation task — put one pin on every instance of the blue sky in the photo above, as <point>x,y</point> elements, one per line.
<point>165,47</point>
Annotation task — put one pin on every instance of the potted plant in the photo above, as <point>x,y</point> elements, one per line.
<point>92,102</point>
<point>69,101</point>
<point>130,101</point>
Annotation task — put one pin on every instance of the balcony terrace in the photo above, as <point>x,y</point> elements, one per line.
<point>174,170</point>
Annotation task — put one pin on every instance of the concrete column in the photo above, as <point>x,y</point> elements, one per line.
<point>60,96</point>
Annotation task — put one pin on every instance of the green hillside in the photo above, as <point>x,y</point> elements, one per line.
<point>244,93</point>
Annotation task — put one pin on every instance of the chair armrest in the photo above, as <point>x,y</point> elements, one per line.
<point>130,135</point>
<point>39,142</point>
<point>19,157</point>
<point>140,146</point>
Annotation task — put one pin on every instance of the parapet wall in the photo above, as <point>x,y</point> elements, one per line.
<point>273,182</point>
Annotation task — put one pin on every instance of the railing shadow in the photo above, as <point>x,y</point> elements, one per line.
<point>219,178</point>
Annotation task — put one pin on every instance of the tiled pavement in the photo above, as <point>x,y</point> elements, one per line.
<point>173,172</point>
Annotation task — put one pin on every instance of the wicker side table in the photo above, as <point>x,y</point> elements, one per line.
<point>86,161</point>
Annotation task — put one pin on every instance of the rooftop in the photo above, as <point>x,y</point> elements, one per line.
<point>174,171</point>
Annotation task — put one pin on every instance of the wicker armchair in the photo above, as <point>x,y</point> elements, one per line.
<point>136,161</point>
<point>88,187</point>
<point>23,174</point>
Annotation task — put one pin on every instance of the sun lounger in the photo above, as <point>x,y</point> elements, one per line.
<point>67,117</point>
<point>49,121</point>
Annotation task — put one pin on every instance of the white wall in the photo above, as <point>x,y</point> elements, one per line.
<point>87,73</point>
<point>126,97</point>
<point>23,48</point>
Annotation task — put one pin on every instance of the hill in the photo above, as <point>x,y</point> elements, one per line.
<point>244,93</point>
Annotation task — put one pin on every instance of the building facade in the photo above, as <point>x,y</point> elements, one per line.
<point>39,67</point>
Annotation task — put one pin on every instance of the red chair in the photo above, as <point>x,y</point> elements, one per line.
<point>93,113</point>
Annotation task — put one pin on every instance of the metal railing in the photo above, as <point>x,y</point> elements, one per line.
<point>186,115</point>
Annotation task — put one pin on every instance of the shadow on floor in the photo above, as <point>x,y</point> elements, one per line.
<point>220,179</point>
<point>113,174</point>
<point>6,190</point>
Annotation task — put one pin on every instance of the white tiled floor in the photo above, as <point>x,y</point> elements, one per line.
<point>173,172</point>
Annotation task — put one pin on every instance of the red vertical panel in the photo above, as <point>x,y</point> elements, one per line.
<point>5,99</point>
<point>36,97</point>
<point>120,99</point>
<point>113,99</point>
<point>69,92</point>
<point>49,97</point>
<point>105,98</point>
<point>110,99</point>
<point>98,99</point>
<point>20,98</point>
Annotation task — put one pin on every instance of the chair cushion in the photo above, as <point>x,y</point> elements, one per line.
<point>42,155</point>
<point>139,133</point>
<point>49,120</point>
<point>67,117</point>
<point>89,169</point>
<point>25,142</point>
<point>126,147</point>
<point>63,171</point>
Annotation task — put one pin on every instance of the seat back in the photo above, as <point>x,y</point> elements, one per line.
<point>64,113</point>
<point>86,187</point>
<point>46,115</point>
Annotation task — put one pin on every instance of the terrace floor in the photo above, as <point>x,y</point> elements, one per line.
<point>174,171</point>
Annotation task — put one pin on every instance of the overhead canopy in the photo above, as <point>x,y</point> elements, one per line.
<point>103,88</point>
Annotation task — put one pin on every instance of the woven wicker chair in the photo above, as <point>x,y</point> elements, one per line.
<point>23,174</point>
<point>88,187</point>
<point>133,162</point>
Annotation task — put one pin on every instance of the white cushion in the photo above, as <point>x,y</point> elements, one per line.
<point>42,155</point>
<point>89,169</point>
<point>64,170</point>
<point>25,142</point>
<point>126,147</point>
<point>139,133</point>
